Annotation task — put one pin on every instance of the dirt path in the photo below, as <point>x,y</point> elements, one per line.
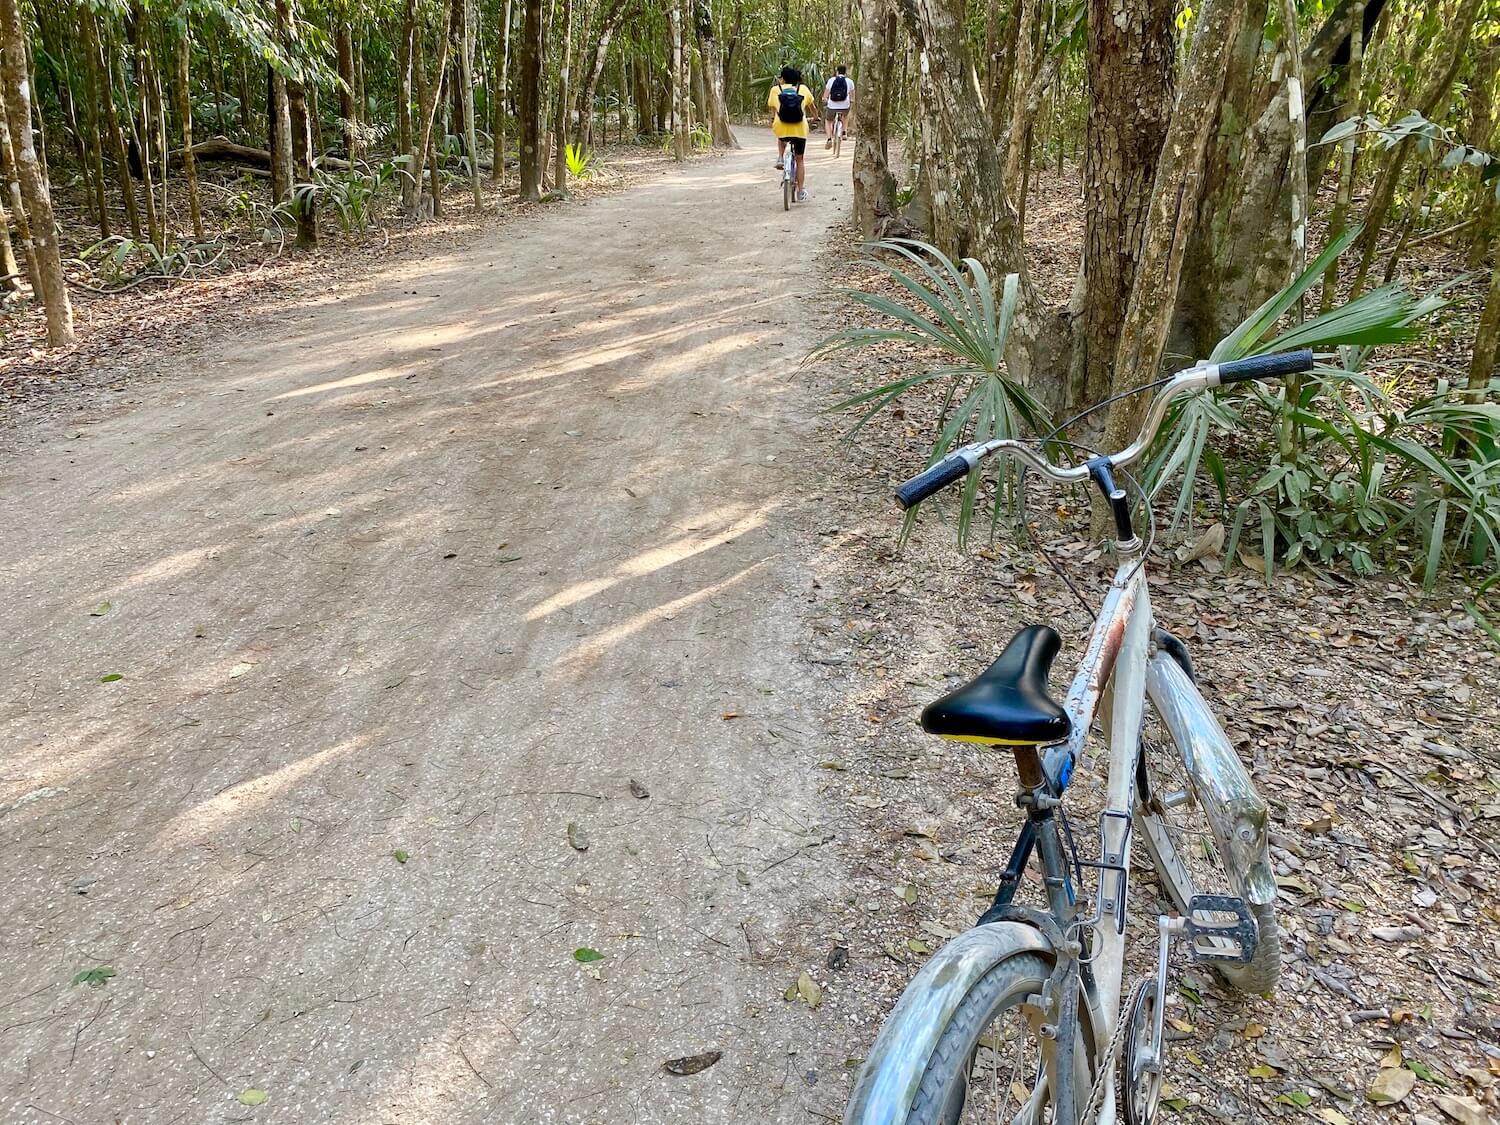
<point>404,586</point>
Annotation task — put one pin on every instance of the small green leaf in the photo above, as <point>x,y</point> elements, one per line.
<point>111,677</point>
<point>250,1097</point>
<point>1295,1097</point>
<point>97,975</point>
<point>585,955</point>
<point>401,855</point>
<point>101,609</point>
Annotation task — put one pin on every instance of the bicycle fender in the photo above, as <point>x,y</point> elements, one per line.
<point>892,1073</point>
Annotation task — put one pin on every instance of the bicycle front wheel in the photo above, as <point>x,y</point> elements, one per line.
<point>989,1061</point>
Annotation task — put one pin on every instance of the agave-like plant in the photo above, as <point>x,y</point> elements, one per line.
<point>955,314</point>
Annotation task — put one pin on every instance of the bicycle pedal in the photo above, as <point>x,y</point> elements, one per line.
<point>1221,928</point>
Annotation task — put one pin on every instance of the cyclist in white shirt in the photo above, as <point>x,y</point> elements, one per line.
<point>838,99</point>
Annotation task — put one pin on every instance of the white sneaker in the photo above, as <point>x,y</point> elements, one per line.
<point>802,197</point>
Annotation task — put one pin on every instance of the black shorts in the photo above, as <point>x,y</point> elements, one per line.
<point>799,144</point>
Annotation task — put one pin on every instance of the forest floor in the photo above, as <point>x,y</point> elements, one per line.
<point>514,599</point>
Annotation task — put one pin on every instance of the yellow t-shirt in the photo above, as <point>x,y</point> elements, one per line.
<point>780,127</point>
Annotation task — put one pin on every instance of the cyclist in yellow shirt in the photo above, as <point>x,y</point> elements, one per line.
<point>792,107</point>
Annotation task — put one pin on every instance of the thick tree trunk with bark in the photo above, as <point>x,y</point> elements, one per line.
<point>16,83</point>
<point>279,135</point>
<point>1486,336</point>
<point>529,94</point>
<point>1174,205</point>
<point>717,109</point>
<point>874,186</point>
<point>1130,69</point>
<point>679,83</point>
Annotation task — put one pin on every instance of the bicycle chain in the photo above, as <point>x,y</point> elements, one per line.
<point>1106,1072</point>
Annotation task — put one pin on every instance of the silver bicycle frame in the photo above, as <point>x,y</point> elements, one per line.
<point>1120,668</point>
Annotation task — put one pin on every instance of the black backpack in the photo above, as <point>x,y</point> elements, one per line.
<point>789,108</point>
<point>839,91</point>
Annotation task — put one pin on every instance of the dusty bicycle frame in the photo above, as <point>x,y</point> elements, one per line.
<point>1127,659</point>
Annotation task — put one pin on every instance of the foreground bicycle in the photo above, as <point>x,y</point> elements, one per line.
<point>1022,1018</point>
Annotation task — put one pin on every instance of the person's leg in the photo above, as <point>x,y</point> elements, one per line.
<point>780,152</point>
<point>801,168</point>
<point>828,128</point>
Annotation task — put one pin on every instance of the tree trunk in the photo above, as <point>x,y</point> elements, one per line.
<point>305,205</point>
<point>1174,204</point>
<point>1384,192</point>
<point>1338,220</point>
<point>563,106</point>
<point>713,77</point>
<point>279,133</point>
<point>1028,21</point>
<point>1482,97</point>
<point>411,187</point>
<point>502,102</point>
<point>466,77</point>
<point>112,121</point>
<point>1130,70</point>
<point>1297,164</point>
<point>1325,69</point>
<point>679,106</point>
<point>1486,336</point>
<point>529,97</point>
<point>874,186</point>
<point>93,81</point>
<point>13,189</point>
<point>185,116</point>
<point>53,287</point>
<point>609,22</point>
<point>142,123</point>
<point>430,98</point>
<point>348,121</point>
<point>971,214</point>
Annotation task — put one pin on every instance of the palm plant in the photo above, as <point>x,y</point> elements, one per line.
<point>954,312</point>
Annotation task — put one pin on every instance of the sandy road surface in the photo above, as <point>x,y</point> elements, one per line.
<point>434,566</point>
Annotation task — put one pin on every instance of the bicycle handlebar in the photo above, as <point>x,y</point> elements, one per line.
<point>963,460</point>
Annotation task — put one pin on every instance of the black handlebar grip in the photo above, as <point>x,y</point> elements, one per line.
<point>935,479</point>
<point>1271,366</point>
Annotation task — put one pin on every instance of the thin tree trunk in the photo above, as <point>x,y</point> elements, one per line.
<point>1384,192</point>
<point>1487,335</point>
<point>112,124</point>
<point>141,124</point>
<point>348,123</point>
<point>411,187</point>
<point>1016,132</point>
<point>679,110</point>
<point>609,22</point>
<point>529,97</point>
<point>563,105</point>
<point>502,107</point>
<point>17,89</point>
<point>430,99</point>
<point>279,134</point>
<point>874,186</point>
<point>13,189</point>
<point>1174,204</point>
<point>1297,119</point>
<point>300,135</point>
<point>1338,220</point>
<point>185,115</point>
<point>93,81</point>
<point>466,76</point>
<point>1130,71</point>
<point>1482,96</point>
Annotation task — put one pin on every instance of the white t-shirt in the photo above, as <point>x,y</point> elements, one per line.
<point>828,96</point>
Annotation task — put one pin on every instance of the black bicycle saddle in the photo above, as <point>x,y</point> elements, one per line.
<point>1007,703</point>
